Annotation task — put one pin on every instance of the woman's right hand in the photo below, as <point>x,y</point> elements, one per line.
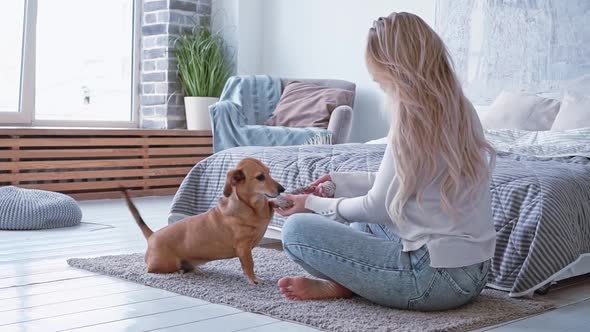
<point>316,184</point>
<point>321,180</point>
<point>298,205</point>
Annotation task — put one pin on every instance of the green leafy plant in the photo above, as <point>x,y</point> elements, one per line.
<point>202,66</point>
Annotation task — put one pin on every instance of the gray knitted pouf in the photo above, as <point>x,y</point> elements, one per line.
<point>26,209</point>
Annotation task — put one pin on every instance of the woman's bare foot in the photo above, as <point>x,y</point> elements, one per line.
<point>302,288</point>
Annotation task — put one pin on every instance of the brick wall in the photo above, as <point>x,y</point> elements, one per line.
<point>161,101</point>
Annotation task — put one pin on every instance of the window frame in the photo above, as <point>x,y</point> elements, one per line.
<point>25,116</point>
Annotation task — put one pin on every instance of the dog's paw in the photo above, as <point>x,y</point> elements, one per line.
<point>304,190</point>
<point>254,281</point>
<point>283,202</point>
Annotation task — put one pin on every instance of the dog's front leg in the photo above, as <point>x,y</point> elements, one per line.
<point>245,256</point>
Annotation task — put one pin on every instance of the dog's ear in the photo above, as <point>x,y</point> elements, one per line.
<point>233,177</point>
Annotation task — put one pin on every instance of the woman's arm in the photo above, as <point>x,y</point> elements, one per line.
<point>352,184</point>
<point>370,208</point>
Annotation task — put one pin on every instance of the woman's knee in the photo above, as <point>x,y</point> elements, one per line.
<point>297,228</point>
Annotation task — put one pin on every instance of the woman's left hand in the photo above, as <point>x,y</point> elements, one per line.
<point>298,205</point>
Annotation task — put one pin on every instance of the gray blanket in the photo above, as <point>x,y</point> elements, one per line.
<point>541,205</point>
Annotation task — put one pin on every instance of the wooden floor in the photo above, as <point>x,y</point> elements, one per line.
<point>39,292</point>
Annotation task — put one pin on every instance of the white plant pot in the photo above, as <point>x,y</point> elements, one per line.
<point>197,112</point>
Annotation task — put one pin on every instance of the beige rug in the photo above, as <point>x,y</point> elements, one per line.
<point>222,282</point>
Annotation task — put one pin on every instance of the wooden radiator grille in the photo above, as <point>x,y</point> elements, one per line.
<point>95,163</point>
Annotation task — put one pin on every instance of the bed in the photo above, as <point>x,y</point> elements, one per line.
<point>540,197</point>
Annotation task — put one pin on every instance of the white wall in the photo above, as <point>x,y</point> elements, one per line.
<point>318,39</point>
<point>225,21</point>
<point>240,24</point>
<point>251,36</point>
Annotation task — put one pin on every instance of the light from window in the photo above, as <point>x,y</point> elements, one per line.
<point>11,39</point>
<point>84,60</point>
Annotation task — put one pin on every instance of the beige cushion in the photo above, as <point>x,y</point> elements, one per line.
<point>515,110</point>
<point>308,105</point>
<point>573,113</point>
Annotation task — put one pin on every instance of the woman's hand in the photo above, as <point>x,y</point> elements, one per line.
<point>321,180</point>
<point>297,207</point>
<point>316,185</point>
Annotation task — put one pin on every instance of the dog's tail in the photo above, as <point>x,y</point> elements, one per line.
<point>147,232</point>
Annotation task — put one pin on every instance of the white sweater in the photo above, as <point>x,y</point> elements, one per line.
<point>468,239</point>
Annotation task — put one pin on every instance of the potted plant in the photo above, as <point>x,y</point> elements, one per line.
<point>203,70</point>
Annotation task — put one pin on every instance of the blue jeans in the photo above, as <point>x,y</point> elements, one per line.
<point>375,267</point>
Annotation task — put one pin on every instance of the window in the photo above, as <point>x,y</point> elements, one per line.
<point>11,19</point>
<point>73,63</point>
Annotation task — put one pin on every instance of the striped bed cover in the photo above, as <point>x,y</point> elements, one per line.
<point>540,200</point>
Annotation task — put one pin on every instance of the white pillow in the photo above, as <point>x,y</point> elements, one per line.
<point>516,110</point>
<point>574,112</point>
<point>579,85</point>
<point>481,109</point>
<point>382,140</point>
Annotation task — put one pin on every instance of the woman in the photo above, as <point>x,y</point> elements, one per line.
<point>428,205</point>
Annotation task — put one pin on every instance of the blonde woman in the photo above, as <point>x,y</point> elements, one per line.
<point>428,206</point>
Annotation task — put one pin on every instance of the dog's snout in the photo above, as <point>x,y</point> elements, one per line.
<point>281,189</point>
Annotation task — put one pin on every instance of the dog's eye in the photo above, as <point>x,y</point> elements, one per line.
<point>260,177</point>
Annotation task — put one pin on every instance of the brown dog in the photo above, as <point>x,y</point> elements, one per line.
<point>231,229</point>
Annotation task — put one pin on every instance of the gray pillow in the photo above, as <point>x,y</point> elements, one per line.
<point>27,209</point>
<point>308,105</point>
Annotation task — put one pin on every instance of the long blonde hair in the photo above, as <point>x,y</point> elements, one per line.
<point>433,122</point>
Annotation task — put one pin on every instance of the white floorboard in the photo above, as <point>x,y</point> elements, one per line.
<point>40,292</point>
<point>110,312</point>
<point>164,319</point>
<point>83,305</point>
<point>30,301</point>
<point>44,277</point>
<point>229,323</point>
<point>26,269</point>
<point>574,317</point>
<point>56,286</point>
